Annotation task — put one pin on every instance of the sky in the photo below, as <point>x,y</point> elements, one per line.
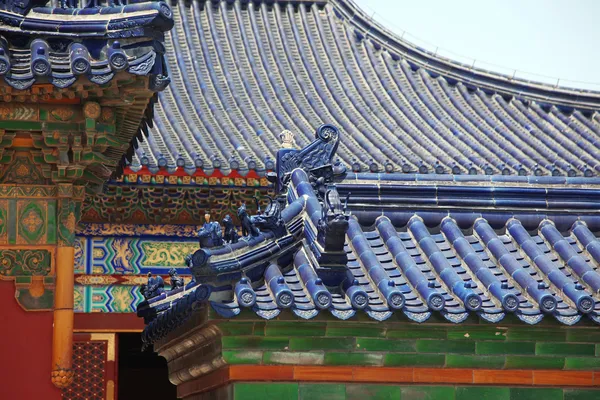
<point>543,40</point>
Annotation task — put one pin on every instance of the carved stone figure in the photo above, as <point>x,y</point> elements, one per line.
<point>176,280</point>
<point>211,234</point>
<point>231,234</point>
<point>248,228</point>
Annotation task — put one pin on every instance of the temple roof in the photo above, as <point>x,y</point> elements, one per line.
<point>415,263</point>
<point>243,72</point>
<point>401,246</point>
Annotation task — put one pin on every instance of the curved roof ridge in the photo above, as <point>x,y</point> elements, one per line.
<point>468,75</point>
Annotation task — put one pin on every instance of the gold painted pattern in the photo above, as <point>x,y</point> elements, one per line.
<point>167,254</point>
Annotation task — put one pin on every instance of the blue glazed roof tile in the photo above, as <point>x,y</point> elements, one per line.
<point>408,267</point>
<point>42,45</point>
<point>265,68</point>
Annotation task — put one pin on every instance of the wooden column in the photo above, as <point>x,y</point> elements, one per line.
<point>68,212</point>
<point>62,341</point>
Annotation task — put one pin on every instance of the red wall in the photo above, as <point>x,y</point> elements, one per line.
<point>25,350</point>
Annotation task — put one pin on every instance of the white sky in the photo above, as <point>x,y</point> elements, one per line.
<point>553,38</point>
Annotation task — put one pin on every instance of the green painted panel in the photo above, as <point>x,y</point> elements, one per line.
<point>582,363</point>
<point>295,358</point>
<point>581,394</point>
<point>372,392</point>
<point>402,346</point>
<point>354,330</point>
<point>534,362</point>
<point>505,348</point>
<point>427,393</point>
<point>469,361</point>
<point>445,346</point>
<point>353,359</point>
<point>565,349</point>
<point>296,328</point>
<point>21,125</point>
<point>12,221</point>
<point>51,222</point>
<point>105,128</point>
<point>267,390</point>
<point>242,357</point>
<point>420,360</point>
<point>536,334</point>
<point>307,344</point>
<point>3,220</point>
<point>536,394</point>
<point>482,393</point>
<point>61,126</point>
<point>254,342</point>
<point>419,333</point>
<point>321,391</point>
<point>23,279</point>
<point>32,222</point>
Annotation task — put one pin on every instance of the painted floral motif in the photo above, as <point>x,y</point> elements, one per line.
<point>98,253</point>
<point>70,222</point>
<point>25,262</point>
<point>62,114</point>
<point>92,110</point>
<point>22,170</point>
<point>107,114</point>
<point>32,221</point>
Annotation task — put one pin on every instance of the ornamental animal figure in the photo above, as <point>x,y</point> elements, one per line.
<point>176,280</point>
<point>231,235</point>
<point>270,219</point>
<point>333,225</point>
<point>155,286</point>
<point>211,234</point>
<point>144,290</point>
<point>248,228</point>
